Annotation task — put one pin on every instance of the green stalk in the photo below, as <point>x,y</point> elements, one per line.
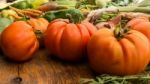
<point>107,79</point>
<point>134,9</point>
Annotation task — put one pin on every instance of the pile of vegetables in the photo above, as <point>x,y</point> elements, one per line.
<point>112,35</point>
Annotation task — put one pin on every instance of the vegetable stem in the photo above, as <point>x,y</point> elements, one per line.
<point>134,9</point>
<point>107,79</point>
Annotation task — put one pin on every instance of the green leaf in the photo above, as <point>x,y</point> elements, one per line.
<point>49,16</point>
<point>109,79</point>
<point>4,22</point>
<point>74,15</point>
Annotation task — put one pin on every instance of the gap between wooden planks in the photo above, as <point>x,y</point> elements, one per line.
<point>43,69</point>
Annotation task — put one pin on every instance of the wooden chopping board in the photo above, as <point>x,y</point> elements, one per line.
<point>43,69</point>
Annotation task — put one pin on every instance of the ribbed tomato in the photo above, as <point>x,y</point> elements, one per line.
<point>140,24</point>
<point>118,54</point>
<point>68,40</point>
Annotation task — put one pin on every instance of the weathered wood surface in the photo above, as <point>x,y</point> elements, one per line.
<point>43,69</point>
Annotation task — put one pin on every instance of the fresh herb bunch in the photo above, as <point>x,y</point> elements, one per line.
<point>108,79</point>
<point>106,17</point>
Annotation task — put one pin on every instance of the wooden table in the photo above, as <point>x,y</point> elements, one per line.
<point>43,69</point>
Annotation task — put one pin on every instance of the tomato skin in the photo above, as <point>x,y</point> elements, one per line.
<point>39,26</point>
<point>129,55</point>
<point>68,40</point>
<point>141,26</point>
<point>18,41</point>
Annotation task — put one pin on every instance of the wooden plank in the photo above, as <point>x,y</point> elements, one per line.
<point>45,70</point>
<point>8,72</point>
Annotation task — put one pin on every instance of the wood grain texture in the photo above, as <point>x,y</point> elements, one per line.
<point>8,71</point>
<point>43,69</point>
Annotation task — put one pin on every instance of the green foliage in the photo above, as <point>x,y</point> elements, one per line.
<point>4,22</point>
<point>68,3</point>
<point>107,79</point>
<point>22,5</point>
<point>106,17</point>
<point>74,15</point>
<point>49,16</point>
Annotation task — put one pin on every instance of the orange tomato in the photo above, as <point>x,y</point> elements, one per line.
<point>135,21</point>
<point>128,55</point>
<point>68,40</point>
<point>39,26</point>
<point>19,42</point>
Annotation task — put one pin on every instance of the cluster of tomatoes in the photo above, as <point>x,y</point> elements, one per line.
<point>123,55</point>
<point>21,39</point>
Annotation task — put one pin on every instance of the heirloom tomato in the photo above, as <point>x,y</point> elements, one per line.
<point>39,26</point>
<point>122,52</point>
<point>68,40</point>
<point>18,41</point>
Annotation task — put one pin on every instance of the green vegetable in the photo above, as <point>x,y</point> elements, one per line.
<point>74,15</point>
<point>7,14</point>
<point>67,3</point>
<point>4,22</point>
<point>50,16</point>
<point>105,17</point>
<point>134,9</point>
<point>101,3</point>
<point>143,6</point>
<point>22,5</point>
<point>107,79</point>
<point>24,18</point>
<point>37,3</point>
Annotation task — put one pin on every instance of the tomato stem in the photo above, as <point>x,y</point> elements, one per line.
<point>119,30</point>
<point>38,33</point>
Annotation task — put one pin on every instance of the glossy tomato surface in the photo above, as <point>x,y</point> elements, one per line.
<point>19,42</point>
<point>68,41</point>
<point>125,56</point>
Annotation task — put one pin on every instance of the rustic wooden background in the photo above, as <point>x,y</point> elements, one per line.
<point>42,69</point>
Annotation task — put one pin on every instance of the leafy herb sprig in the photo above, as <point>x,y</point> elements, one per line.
<point>108,79</point>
